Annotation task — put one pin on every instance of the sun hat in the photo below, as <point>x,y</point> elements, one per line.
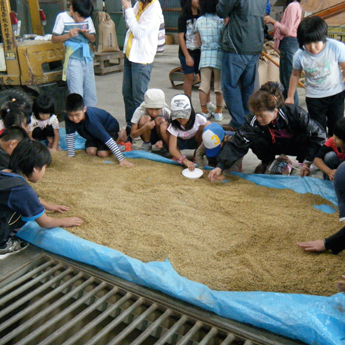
<point>180,107</point>
<point>339,186</point>
<point>154,99</point>
<point>212,138</point>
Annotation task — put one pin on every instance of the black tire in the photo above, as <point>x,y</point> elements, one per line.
<point>8,94</point>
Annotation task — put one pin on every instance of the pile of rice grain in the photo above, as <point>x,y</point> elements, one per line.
<point>229,236</point>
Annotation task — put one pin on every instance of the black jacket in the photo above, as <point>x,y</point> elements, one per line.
<point>296,120</point>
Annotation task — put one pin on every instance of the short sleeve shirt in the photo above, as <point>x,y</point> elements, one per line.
<point>186,25</point>
<point>64,23</point>
<point>210,28</point>
<point>141,111</point>
<point>330,143</point>
<point>52,121</point>
<point>185,135</point>
<point>322,72</point>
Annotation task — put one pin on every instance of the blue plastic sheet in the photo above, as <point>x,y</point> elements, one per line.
<point>311,319</point>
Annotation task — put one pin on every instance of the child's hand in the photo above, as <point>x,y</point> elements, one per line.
<point>126,4</point>
<point>214,174</point>
<point>190,165</point>
<point>226,21</point>
<point>150,124</point>
<point>57,208</point>
<point>341,284</point>
<point>159,144</point>
<point>74,32</point>
<point>71,221</point>
<point>313,246</point>
<point>125,163</point>
<point>189,61</point>
<point>84,31</point>
<point>289,100</point>
<point>331,175</point>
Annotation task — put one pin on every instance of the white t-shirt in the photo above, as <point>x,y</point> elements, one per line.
<point>322,72</point>
<point>199,121</point>
<point>141,111</point>
<point>53,121</point>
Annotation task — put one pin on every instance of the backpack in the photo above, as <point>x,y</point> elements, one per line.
<point>9,220</point>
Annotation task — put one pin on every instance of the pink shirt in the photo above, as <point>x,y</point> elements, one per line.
<point>289,23</point>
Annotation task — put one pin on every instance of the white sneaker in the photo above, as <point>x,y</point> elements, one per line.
<point>211,107</point>
<point>218,117</point>
<point>14,245</point>
<point>207,116</point>
<point>146,147</point>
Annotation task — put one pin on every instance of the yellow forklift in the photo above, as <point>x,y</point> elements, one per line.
<point>29,67</point>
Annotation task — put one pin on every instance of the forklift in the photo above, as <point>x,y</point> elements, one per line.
<point>29,67</point>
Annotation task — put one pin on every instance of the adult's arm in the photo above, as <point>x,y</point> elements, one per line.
<point>224,7</point>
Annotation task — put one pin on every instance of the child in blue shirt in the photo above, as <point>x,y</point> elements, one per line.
<point>97,126</point>
<point>18,201</point>
<point>75,29</point>
<point>323,62</point>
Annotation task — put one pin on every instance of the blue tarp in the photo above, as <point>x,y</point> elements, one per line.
<point>311,319</point>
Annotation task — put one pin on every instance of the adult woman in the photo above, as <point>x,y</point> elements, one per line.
<point>285,35</point>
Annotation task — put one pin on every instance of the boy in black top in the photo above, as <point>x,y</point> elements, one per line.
<point>18,201</point>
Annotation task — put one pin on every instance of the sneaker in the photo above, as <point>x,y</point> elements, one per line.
<point>211,107</point>
<point>146,147</point>
<point>207,116</point>
<point>14,245</point>
<point>218,117</point>
<point>121,147</point>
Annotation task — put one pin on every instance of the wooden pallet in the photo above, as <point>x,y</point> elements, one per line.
<point>108,62</point>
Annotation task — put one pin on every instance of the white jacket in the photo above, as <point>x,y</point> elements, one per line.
<point>145,32</point>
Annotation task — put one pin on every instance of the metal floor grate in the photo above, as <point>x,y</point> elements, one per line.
<point>50,301</point>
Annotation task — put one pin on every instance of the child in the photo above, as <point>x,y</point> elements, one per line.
<point>9,139</point>
<point>75,29</point>
<point>150,120</point>
<point>97,126</point>
<point>321,59</point>
<point>213,139</point>
<point>185,129</point>
<point>16,118</point>
<point>332,153</point>
<point>272,129</point>
<point>44,124</point>
<point>209,29</point>
<point>19,203</point>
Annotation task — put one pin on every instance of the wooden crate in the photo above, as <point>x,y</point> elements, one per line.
<point>108,62</point>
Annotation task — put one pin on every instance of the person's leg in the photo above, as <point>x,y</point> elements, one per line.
<point>332,161</point>
<point>204,89</point>
<point>288,46</point>
<point>147,134</point>
<point>188,72</point>
<point>127,90</point>
<point>74,75</point>
<point>317,108</point>
<point>335,111</point>
<point>90,93</point>
<point>247,81</point>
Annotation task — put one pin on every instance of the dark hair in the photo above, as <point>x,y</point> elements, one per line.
<point>339,129</point>
<point>83,7</point>
<point>186,6</point>
<point>208,6</point>
<point>27,155</point>
<point>74,102</point>
<point>190,122</point>
<point>16,104</point>
<point>15,118</point>
<point>268,97</point>
<point>14,133</point>
<point>288,2</point>
<point>311,29</point>
<point>43,104</point>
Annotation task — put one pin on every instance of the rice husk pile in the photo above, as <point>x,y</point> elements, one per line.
<point>235,236</point>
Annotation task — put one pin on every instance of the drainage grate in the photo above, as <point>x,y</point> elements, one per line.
<point>51,301</point>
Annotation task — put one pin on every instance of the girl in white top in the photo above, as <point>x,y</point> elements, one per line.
<point>44,124</point>
<point>185,129</point>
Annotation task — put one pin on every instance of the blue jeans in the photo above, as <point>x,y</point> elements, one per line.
<point>287,47</point>
<point>238,77</point>
<point>81,79</point>
<point>136,78</point>
<point>332,161</point>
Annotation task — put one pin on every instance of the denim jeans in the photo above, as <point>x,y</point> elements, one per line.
<point>136,78</point>
<point>81,79</point>
<point>238,77</point>
<point>287,47</point>
<point>332,161</point>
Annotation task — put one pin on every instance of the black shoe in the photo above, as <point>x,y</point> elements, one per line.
<point>13,246</point>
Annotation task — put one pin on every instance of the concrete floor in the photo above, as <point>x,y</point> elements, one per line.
<point>109,92</point>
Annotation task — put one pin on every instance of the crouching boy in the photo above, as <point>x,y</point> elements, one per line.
<point>18,201</point>
<point>97,126</point>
